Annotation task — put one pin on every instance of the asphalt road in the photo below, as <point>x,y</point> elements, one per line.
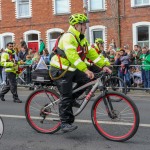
<point>18,135</point>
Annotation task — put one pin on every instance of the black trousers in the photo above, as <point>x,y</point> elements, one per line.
<point>11,85</point>
<point>64,86</point>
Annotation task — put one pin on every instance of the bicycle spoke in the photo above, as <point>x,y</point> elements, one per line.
<point>121,124</point>
<point>42,111</point>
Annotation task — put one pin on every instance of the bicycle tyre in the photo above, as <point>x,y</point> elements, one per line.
<point>113,128</point>
<point>35,112</point>
<point>1,127</point>
<point>115,82</point>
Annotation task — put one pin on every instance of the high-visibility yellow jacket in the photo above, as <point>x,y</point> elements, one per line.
<point>69,43</point>
<point>7,62</point>
<point>100,55</point>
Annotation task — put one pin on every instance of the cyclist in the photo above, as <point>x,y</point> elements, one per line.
<point>98,45</point>
<point>99,48</point>
<point>68,66</point>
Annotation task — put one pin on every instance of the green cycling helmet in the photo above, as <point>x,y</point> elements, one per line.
<point>99,40</point>
<point>78,18</point>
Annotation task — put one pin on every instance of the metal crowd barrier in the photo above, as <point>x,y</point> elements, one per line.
<point>135,76</point>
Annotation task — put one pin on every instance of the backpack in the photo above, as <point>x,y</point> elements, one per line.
<point>60,53</point>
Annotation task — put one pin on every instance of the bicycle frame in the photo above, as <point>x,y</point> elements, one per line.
<point>97,84</point>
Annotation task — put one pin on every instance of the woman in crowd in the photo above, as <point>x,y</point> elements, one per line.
<point>46,56</point>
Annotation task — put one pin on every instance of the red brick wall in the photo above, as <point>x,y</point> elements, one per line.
<point>43,19</point>
<point>129,16</point>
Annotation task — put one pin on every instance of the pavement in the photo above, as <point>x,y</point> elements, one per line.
<point>135,92</point>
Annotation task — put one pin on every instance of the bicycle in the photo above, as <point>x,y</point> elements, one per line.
<point>1,127</point>
<point>116,121</point>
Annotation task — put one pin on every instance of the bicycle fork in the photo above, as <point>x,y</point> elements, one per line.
<point>109,108</point>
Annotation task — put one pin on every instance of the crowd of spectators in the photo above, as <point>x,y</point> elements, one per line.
<point>27,56</point>
<point>133,66</point>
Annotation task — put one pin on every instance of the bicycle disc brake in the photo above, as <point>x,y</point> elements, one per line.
<point>44,112</point>
<point>115,116</point>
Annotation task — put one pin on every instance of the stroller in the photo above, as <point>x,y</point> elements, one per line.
<point>136,78</point>
<point>24,76</point>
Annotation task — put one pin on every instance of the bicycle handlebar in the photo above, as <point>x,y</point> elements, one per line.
<point>101,74</point>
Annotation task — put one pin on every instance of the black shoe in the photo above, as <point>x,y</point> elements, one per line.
<point>17,101</point>
<point>66,127</point>
<point>76,104</point>
<point>2,98</point>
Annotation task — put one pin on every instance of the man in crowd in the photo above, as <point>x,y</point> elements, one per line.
<point>11,66</point>
<point>22,54</point>
<point>145,57</point>
<point>123,60</point>
<point>42,47</point>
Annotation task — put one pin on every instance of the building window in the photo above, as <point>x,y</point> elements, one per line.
<point>61,6</point>
<point>98,32</point>
<point>23,8</point>
<point>52,35</point>
<point>5,38</point>
<point>138,3</point>
<point>96,5</point>
<point>141,34</point>
<point>32,37</point>
<point>0,42</point>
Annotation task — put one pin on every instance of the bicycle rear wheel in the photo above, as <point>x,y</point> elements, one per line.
<point>41,111</point>
<point>1,127</point>
<point>123,122</point>
<point>116,84</point>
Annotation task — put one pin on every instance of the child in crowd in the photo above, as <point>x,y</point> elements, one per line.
<point>111,58</point>
<point>28,60</point>
<point>35,60</point>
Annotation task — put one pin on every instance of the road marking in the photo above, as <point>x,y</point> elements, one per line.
<point>77,120</point>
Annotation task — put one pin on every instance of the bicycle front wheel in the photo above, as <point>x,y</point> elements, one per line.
<point>41,111</point>
<point>122,122</point>
<point>1,127</point>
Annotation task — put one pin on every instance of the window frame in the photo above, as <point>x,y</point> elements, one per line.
<point>48,40</point>
<point>138,5</point>
<point>17,10</point>
<point>135,33</point>
<point>63,13</point>
<point>25,34</point>
<point>5,35</point>
<point>96,10</point>
<point>98,28</point>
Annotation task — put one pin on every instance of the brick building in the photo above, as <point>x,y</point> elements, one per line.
<point>127,21</point>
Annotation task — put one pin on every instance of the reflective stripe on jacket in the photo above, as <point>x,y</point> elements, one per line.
<point>101,57</point>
